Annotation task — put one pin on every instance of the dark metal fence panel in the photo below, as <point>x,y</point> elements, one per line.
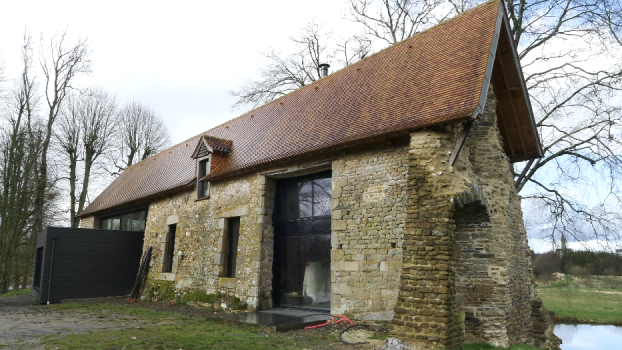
<point>87,263</point>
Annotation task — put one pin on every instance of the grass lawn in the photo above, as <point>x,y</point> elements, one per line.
<point>16,293</point>
<point>169,331</point>
<point>182,332</point>
<point>485,346</point>
<point>576,301</point>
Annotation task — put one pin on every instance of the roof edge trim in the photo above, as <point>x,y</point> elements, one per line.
<point>491,61</point>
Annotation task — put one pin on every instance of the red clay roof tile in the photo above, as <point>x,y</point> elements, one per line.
<point>433,77</point>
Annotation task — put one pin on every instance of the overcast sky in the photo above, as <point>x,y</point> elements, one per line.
<point>180,58</point>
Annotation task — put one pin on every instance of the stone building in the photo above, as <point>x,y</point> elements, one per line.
<point>384,191</point>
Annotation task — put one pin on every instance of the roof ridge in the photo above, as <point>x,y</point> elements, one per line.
<point>396,90</point>
<point>436,26</point>
<point>204,133</point>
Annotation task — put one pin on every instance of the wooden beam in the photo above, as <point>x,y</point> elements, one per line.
<point>511,88</point>
<point>509,93</point>
<point>504,133</point>
<point>523,173</point>
<point>460,142</point>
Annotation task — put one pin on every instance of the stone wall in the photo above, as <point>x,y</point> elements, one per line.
<point>442,249</point>
<point>89,222</point>
<point>498,289</point>
<point>200,238</point>
<point>466,272</point>
<point>369,218</point>
<point>426,310</point>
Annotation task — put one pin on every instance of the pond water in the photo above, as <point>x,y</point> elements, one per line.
<point>585,336</point>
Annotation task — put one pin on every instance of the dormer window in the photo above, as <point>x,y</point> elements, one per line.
<point>209,153</point>
<point>203,168</point>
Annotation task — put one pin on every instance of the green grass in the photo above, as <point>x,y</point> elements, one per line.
<point>146,314</point>
<point>181,332</point>
<point>580,303</point>
<point>485,346</point>
<point>16,293</point>
<point>189,334</point>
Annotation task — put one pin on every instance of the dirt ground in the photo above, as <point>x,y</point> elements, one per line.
<point>21,322</point>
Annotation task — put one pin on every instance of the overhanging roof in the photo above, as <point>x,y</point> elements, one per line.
<point>439,76</point>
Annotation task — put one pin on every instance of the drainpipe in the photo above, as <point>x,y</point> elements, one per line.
<point>51,265</point>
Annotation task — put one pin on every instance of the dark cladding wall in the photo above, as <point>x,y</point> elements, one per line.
<point>87,263</point>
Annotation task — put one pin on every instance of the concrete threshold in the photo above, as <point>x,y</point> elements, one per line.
<point>279,320</point>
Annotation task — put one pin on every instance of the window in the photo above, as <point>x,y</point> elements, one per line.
<point>203,168</point>
<point>231,248</point>
<point>308,197</point>
<point>169,248</point>
<point>129,221</point>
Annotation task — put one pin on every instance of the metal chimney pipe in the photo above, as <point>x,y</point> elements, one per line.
<point>324,69</point>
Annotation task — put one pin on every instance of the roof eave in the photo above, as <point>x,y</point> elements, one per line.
<point>503,19</point>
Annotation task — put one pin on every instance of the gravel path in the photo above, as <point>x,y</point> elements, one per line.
<point>21,322</point>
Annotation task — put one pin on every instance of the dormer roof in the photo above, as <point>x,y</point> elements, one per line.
<point>209,144</point>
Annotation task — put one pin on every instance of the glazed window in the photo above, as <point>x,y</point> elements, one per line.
<point>129,221</point>
<point>169,248</point>
<point>203,166</point>
<point>231,247</point>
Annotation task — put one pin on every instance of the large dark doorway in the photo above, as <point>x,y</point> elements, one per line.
<point>302,242</point>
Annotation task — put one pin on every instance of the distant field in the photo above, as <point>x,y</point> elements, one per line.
<point>594,300</point>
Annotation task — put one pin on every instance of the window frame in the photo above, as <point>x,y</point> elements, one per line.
<point>168,255</point>
<point>203,188</point>
<point>119,215</point>
<point>230,248</point>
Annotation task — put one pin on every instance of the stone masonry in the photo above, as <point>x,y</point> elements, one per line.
<point>439,249</point>
<point>369,218</point>
<point>369,215</point>
<point>466,272</point>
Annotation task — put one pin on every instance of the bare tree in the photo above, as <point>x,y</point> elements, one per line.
<point>572,60</point>
<point>571,53</point>
<point>85,131</point>
<point>392,21</point>
<point>61,63</point>
<point>18,160</point>
<point>284,74</point>
<point>141,134</point>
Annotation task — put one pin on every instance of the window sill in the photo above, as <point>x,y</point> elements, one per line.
<point>227,282</point>
<point>167,276</point>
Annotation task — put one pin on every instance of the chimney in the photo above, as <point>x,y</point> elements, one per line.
<point>324,69</point>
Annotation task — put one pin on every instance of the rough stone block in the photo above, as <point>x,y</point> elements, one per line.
<point>338,225</point>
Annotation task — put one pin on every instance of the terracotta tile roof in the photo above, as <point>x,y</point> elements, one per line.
<point>168,170</point>
<point>434,77</point>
